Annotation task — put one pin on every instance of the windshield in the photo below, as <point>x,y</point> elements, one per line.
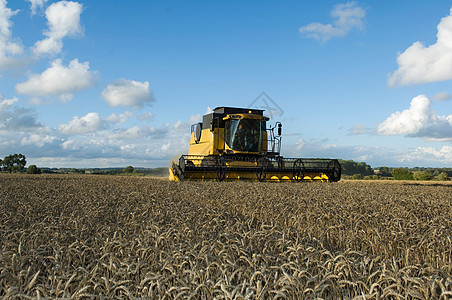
<point>243,135</point>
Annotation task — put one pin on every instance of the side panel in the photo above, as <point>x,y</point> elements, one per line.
<point>218,138</point>
<point>204,146</point>
<point>209,142</point>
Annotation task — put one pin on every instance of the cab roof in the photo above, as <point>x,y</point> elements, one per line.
<point>236,110</point>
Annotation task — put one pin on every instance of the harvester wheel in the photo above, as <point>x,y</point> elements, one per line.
<point>262,164</point>
<point>221,168</point>
<point>280,162</point>
<point>298,173</point>
<point>176,173</point>
<point>335,173</point>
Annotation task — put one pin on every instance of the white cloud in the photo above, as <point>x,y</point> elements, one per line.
<point>178,124</point>
<point>439,129</point>
<point>137,145</point>
<point>374,155</point>
<point>36,4</point>
<point>72,161</point>
<point>131,133</point>
<point>33,142</point>
<point>59,80</point>
<point>419,120</point>
<point>209,110</point>
<point>121,118</point>
<point>9,47</point>
<point>358,129</point>
<point>71,145</point>
<point>432,155</point>
<point>442,96</point>
<point>16,119</point>
<point>408,121</point>
<point>128,93</point>
<point>300,144</point>
<point>6,103</point>
<point>102,151</point>
<point>63,19</point>
<point>142,132</point>
<point>347,16</point>
<point>86,124</point>
<point>419,64</point>
<point>194,119</point>
<point>325,149</point>
<point>48,46</point>
<point>37,140</point>
<point>146,117</point>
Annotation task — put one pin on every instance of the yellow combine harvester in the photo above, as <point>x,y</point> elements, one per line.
<point>235,144</point>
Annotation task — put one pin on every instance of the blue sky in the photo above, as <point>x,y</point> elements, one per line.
<point>116,83</point>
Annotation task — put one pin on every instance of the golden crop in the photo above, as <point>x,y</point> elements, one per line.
<point>104,237</point>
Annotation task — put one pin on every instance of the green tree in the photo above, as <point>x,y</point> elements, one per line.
<point>32,169</point>
<point>350,167</point>
<point>14,163</point>
<point>443,176</point>
<point>422,175</point>
<point>372,177</point>
<point>384,171</point>
<point>357,176</point>
<point>128,169</point>
<point>402,174</point>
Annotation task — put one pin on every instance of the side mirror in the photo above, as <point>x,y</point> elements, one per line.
<point>279,129</point>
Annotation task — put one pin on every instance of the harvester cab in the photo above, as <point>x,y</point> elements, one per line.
<point>236,144</point>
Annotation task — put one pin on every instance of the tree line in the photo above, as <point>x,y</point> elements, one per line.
<point>350,170</point>
<point>360,170</point>
<point>14,163</point>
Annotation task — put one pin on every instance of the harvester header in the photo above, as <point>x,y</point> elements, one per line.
<point>235,144</point>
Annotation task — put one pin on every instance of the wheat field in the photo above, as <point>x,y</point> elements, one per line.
<point>114,237</point>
